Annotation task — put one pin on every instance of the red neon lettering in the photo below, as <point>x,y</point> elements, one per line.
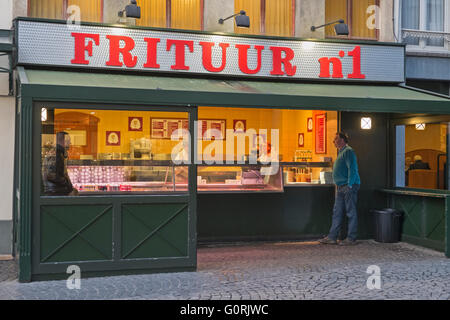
<point>243,63</point>
<point>356,54</point>
<point>81,47</point>
<point>325,67</point>
<point>115,51</point>
<point>206,56</point>
<point>152,44</point>
<point>180,52</point>
<point>278,61</point>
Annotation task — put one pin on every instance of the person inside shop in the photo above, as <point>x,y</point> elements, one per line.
<point>347,180</point>
<point>408,162</point>
<point>419,164</point>
<point>55,177</point>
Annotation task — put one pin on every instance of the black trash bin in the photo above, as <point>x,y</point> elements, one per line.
<point>387,225</point>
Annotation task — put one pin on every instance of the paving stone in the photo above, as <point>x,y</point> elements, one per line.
<point>266,271</point>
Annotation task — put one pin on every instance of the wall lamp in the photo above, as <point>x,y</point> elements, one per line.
<point>131,11</point>
<point>242,20</point>
<point>341,28</point>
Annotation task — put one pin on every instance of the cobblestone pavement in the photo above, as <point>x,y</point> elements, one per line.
<point>284,270</point>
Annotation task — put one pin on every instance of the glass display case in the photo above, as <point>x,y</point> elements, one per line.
<point>307,173</point>
<point>239,178</point>
<point>135,176</point>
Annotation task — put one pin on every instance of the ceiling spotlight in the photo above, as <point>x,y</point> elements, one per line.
<point>241,19</point>
<point>131,11</point>
<point>341,29</point>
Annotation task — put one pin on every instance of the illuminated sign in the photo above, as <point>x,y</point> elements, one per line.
<point>130,49</point>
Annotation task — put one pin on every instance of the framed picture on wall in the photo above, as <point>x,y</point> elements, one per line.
<point>113,138</point>
<point>320,127</point>
<point>239,126</point>
<point>301,140</point>
<point>310,124</point>
<point>134,123</point>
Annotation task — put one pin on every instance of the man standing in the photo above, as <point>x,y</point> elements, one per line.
<point>346,178</point>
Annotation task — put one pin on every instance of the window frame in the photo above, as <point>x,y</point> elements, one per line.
<point>349,21</point>
<point>169,15</point>
<point>411,120</point>
<point>64,9</point>
<point>422,46</point>
<point>262,27</point>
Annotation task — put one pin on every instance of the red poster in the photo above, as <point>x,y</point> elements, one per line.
<point>320,128</point>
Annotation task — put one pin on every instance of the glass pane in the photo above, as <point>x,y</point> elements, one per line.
<point>239,178</point>
<point>435,20</point>
<point>50,9</point>
<point>411,18</point>
<point>295,175</point>
<point>153,13</point>
<point>253,9</point>
<point>279,15</point>
<point>266,134</point>
<point>425,155</point>
<point>105,151</point>
<point>334,10</point>
<point>90,10</point>
<point>361,19</point>
<point>186,14</point>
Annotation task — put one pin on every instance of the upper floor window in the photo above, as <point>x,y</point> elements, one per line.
<point>177,14</point>
<point>425,23</point>
<point>356,13</point>
<point>268,17</point>
<point>90,10</point>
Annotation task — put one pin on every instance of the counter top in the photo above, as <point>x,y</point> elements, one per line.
<point>415,192</point>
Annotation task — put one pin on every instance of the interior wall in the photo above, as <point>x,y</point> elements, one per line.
<point>430,138</point>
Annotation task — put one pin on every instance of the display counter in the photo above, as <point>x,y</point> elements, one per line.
<point>149,176</point>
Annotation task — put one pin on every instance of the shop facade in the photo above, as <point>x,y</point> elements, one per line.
<point>131,99</point>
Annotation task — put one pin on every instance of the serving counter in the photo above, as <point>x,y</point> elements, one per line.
<point>150,176</point>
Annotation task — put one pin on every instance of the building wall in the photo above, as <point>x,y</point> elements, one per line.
<point>386,22</point>
<point>5,14</point>
<point>7,120</point>
<point>309,13</point>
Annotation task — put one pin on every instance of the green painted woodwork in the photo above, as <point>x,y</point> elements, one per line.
<point>197,91</point>
<point>297,213</point>
<point>75,233</point>
<point>153,231</point>
<point>425,216</point>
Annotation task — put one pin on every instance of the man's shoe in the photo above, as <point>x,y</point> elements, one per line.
<point>347,242</point>
<point>327,240</point>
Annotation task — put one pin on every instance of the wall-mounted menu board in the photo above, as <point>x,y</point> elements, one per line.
<point>164,128</point>
<point>211,127</point>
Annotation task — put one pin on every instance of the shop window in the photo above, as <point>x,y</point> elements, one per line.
<point>177,14</point>
<point>356,13</point>
<point>421,155</point>
<point>290,146</point>
<point>91,152</point>
<point>268,17</point>
<point>423,23</point>
<point>90,10</point>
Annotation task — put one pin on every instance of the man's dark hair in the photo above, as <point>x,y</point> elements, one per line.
<point>343,135</point>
